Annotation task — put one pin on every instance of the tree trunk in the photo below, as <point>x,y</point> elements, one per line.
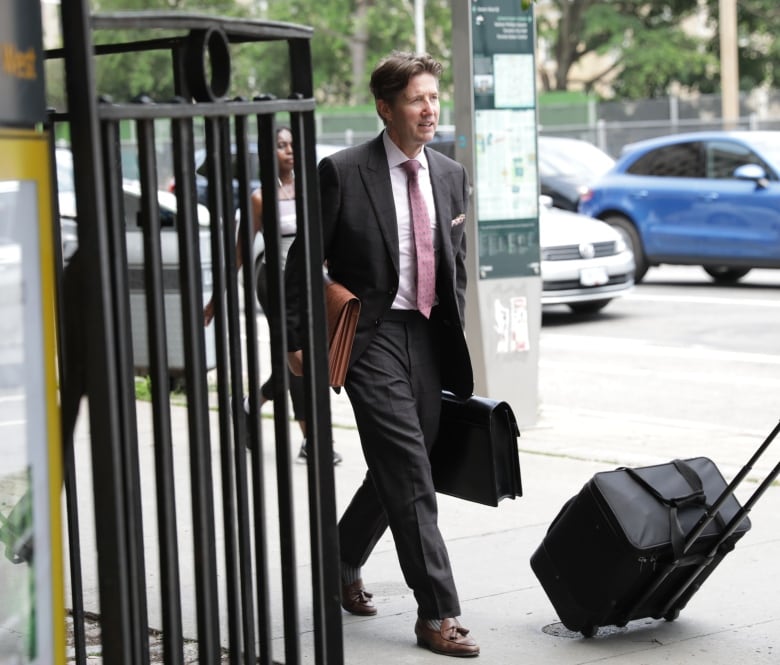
<point>570,27</point>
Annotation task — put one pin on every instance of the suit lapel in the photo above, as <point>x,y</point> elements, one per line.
<point>441,199</point>
<point>376,177</point>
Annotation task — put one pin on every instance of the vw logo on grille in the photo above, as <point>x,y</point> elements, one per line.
<point>587,251</point>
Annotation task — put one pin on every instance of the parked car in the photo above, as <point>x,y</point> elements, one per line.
<point>567,166</point>
<point>66,198</point>
<point>702,198</point>
<point>585,263</point>
<point>169,248</point>
<point>444,140</point>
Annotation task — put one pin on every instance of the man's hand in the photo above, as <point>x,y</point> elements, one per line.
<point>295,362</point>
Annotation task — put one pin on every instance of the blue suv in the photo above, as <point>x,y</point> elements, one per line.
<point>702,198</point>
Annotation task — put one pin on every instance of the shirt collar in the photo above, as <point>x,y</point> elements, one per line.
<point>395,157</point>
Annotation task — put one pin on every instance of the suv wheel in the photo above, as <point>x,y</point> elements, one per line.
<point>626,228</point>
<point>726,275</point>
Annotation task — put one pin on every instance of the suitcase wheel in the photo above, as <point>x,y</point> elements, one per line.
<point>589,631</point>
<point>671,615</point>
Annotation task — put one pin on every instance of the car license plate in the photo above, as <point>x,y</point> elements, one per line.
<point>594,276</point>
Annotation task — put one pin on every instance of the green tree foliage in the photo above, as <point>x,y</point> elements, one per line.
<point>647,48</point>
<point>126,75</point>
<point>643,42</point>
<point>759,49</point>
<point>652,66</point>
<point>350,36</point>
<point>334,26</point>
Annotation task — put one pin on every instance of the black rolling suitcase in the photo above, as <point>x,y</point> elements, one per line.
<point>637,543</point>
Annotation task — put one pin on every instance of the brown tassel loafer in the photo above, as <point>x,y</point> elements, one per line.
<point>356,600</point>
<point>451,640</point>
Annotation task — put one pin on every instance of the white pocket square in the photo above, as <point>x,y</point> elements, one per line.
<point>459,219</point>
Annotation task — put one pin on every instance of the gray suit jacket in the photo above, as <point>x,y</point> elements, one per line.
<point>360,242</point>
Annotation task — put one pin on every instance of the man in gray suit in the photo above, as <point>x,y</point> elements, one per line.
<point>404,354</point>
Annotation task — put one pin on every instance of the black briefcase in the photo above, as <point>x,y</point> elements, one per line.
<point>475,456</point>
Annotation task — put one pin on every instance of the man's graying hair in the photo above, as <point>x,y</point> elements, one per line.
<point>393,73</point>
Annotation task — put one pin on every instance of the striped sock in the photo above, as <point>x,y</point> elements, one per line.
<point>349,574</point>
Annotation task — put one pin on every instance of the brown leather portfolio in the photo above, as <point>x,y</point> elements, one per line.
<point>342,309</point>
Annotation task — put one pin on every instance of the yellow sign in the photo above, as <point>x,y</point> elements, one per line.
<point>32,625</point>
<point>19,64</point>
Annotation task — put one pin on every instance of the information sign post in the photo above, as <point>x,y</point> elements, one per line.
<point>496,126</point>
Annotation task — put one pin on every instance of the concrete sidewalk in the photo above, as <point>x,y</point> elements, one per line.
<point>734,618</point>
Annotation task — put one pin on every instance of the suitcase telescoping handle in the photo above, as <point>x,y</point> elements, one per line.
<point>712,511</point>
<point>671,610</point>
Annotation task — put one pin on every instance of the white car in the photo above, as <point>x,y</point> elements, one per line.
<point>585,262</point>
<point>66,197</point>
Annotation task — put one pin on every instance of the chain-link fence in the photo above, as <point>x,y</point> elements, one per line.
<point>609,125</point>
<point>612,125</point>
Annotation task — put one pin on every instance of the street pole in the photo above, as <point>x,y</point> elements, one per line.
<point>419,26</point>
<point>729,69</point>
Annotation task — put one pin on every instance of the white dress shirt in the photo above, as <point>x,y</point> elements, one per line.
<point>406,298</point>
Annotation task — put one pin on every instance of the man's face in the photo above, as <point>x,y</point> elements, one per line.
<point>414,116</point>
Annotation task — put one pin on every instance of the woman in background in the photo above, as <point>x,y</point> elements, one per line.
<point>287,229</point>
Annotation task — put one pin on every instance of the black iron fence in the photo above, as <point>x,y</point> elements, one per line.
<point>202,543</point>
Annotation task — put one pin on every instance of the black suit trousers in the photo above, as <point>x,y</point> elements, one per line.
<point>395,391</point>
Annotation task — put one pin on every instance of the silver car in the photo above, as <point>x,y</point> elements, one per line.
<point>135,261</point>
<point>585,262</point>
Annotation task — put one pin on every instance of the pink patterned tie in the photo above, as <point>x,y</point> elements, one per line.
<point>423,241</point>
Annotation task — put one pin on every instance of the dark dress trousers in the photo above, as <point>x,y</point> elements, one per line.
<point>400,361</point>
